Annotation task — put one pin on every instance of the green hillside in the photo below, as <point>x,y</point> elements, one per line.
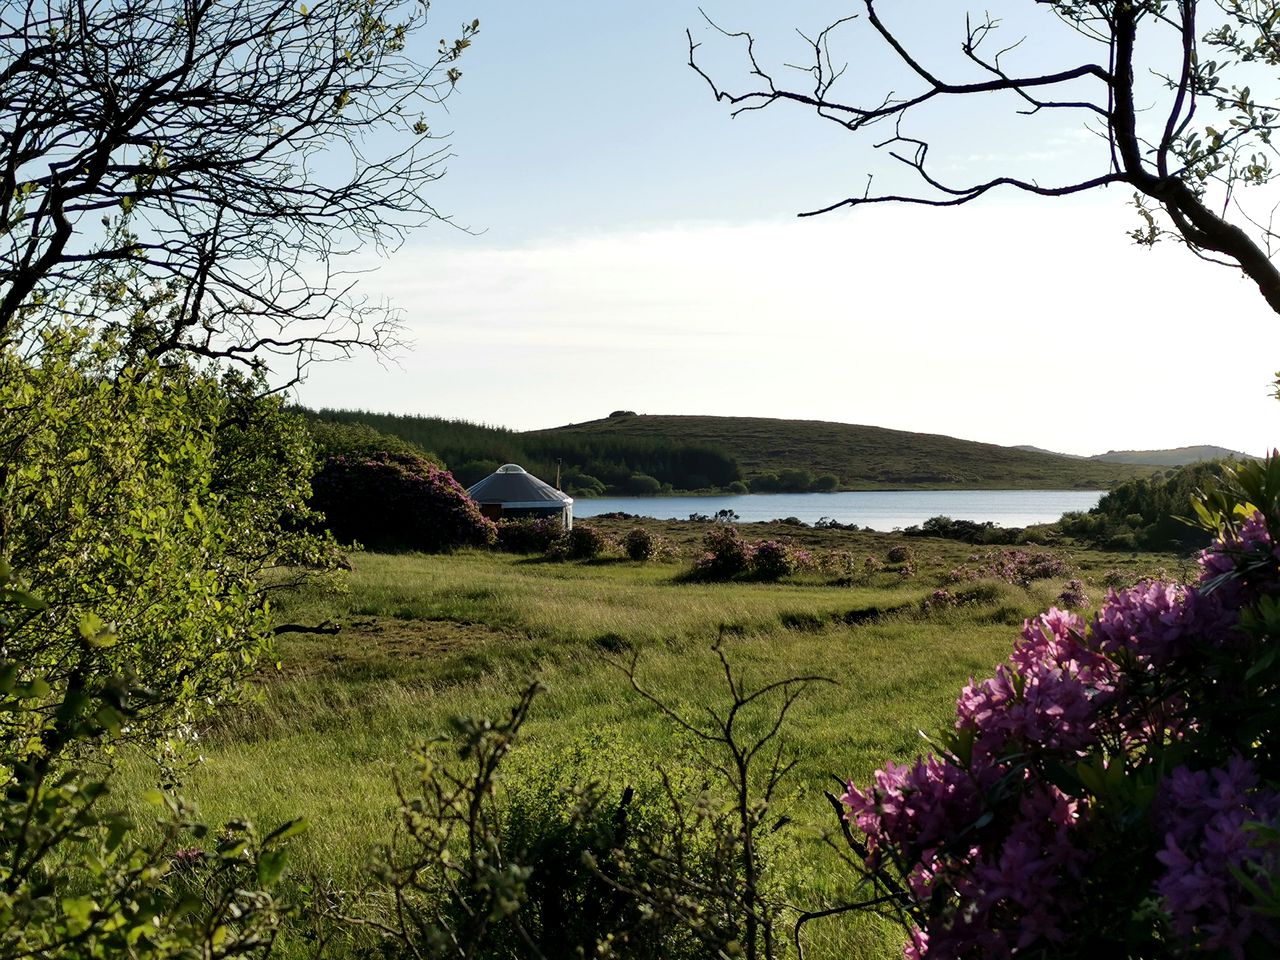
<point>1177,457</point>
<point>629,454</point>
<point>860,457</point>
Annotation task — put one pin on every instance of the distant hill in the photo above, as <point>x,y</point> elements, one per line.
<point>1053,453</point>
<point>625,453</point>
<point>859,457</point>
<point>1177,457</point>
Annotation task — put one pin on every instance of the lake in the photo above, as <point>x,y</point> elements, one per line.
<point>877,509</point>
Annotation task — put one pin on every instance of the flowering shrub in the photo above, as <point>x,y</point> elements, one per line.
<point>725,554</point>
<point>841,563</point>
<point>772,560</point>
<point>1012,566</point>
<point>1073,596</point>
<point>1115,578</point>
<point>398,501</point>
<point>1101,787</point>
<point>872,566</point>
<point>900,555</point>
<point>640,544</point>
<point>583,542</point>
<point>941,598</point>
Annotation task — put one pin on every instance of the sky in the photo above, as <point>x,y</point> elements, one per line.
<point>629,245</point>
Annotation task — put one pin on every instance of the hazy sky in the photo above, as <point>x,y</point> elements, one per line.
<point>635,248</point>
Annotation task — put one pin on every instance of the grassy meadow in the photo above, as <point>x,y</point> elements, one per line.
<point>422,638</point>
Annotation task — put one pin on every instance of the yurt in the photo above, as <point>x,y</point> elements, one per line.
<point>512,492</point>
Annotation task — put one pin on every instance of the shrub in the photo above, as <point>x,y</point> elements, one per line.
<point>560,859</point>
<point>872,565</point>
<point>840,563</point>
<point>583,484</point>
<point>900,554</point>
<point>643,485</point>
<point>398,502</point>
<point>826,483</point>
<point>828,523</point>
<point>1147,513</point>
<point>772,560</point>
<point>340,439</point>
<point>132,511</point>
<point>79,878</point>
<point>639,544</point>
<point>583,542</point>
<point>1115,782</point>
<point>1012,566</point>
<point>1116,578</point>
<point>941,598</point>
<point>527,535</point>
<point>725,554</point>
<point>737,486</point>
<point>1073,596</point>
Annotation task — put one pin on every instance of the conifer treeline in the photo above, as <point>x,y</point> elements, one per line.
<point>590,464</point>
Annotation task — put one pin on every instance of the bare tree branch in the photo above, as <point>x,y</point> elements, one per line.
<point>216,158</point>
<point>1159,152</point>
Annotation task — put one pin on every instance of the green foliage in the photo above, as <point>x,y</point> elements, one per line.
<point>142,514</point>
<point>77,878</point>
<point>583,542</point>
<point>643,485</point>
<point>333,439</point>
<point>640,544</point>
<point>967,531</point>
<point>578,484</point>
<point>526,535</point>
<point>1147,514</point>
<point>263,460</point>
<point>589,852</point>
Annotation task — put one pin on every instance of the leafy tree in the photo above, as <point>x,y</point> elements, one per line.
<point>349,439</point>
<point>213,158</point>
<point>1151,514</point>
<point>1181,95</point>
<point>178,892</point>
<point>143,533</point>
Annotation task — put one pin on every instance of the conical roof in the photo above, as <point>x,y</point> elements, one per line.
<point>512,486</point>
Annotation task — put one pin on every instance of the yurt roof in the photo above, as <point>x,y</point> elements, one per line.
<point>512,486</point>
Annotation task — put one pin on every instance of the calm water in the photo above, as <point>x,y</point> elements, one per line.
<point>877,509</point>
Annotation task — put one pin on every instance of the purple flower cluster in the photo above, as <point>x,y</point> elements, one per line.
<point>1073,596</point>
<point>1052,693</point>
<point>1007,842</point>
<point>1203,816</point>
<point>1012,566</point>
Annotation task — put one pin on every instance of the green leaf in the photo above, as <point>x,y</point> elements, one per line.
<point>79,912</point>
<point>95,632</point>
<point>270,866</point>
<point>292,828</point>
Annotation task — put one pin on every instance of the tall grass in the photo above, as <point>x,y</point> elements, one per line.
<point>425,638</point>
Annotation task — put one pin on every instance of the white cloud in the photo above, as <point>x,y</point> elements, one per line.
<point>1018,323</point>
